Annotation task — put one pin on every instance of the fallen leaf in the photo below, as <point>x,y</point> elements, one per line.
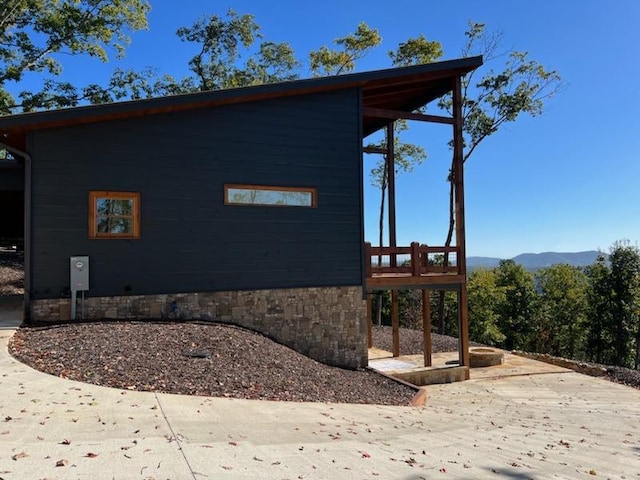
<point>592,472</point>
<point>18,456</point>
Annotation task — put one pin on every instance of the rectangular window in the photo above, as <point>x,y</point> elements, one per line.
<point>269,196</point>
<point>114,215</point>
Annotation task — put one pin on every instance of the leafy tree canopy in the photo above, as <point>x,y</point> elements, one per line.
<point>351,48</point>
<point>34,33</point>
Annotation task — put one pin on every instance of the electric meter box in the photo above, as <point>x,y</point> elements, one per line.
<point>79,273</point>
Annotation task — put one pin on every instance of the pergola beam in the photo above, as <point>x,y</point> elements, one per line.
<point>374,150</point>
<point>396,115</point>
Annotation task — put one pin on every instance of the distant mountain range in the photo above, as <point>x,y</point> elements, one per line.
<point>533,261</point>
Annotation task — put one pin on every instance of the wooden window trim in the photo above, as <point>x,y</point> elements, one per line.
<point>311,190</point>
<point>93,205</point>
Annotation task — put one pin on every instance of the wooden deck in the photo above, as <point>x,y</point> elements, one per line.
<point>417,266</point>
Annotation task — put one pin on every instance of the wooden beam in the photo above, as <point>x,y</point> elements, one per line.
<point>395,324</point>
<point>374,150</point>
<point>396,114</point>
<point>385,282</point>
<point>391,189</point>
<point>426,326</point>
<point>458,172</point>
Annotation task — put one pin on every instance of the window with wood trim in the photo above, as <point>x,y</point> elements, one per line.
<point>268,195</point>
<point>114,215</point>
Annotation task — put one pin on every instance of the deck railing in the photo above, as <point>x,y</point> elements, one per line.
<point>415,260</point>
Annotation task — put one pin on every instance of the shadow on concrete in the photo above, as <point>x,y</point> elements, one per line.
<point>510,473</point>
<point>11,312</point>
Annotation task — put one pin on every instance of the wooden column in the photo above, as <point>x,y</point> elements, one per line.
<point>426,326</point>
<point>391,190</point>
<point>395,323</point>
<point>458,173</point>
<point>369,322</point>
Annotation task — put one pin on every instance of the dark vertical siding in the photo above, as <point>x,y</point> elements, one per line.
<point>190,241</point>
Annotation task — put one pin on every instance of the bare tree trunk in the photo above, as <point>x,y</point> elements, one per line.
<point>447,243</point>
<point>383,190</point>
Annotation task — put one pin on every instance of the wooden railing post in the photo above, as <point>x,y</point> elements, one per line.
<point>425,258</point>
<point>415,259</point>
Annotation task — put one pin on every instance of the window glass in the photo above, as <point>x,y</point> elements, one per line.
<point>270,196</point>
<point>114,215</point>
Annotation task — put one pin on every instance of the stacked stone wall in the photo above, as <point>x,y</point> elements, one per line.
<point>327,324</point>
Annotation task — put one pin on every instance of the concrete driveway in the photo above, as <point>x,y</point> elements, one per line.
<point>538,426</point>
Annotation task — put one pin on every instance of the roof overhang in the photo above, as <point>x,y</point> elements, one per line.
<point>397,89</point>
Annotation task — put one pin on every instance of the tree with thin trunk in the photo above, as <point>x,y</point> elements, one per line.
<point>521,86</point>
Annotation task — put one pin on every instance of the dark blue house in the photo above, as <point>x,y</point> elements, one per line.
<point>242,206</point>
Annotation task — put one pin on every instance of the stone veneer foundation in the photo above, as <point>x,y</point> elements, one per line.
<point>327,324</point>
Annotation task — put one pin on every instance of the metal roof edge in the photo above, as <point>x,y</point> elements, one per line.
<point>32,120</point>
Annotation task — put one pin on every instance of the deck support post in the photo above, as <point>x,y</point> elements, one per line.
<point>369,321</point>
<point>458,177</point>
<point>426,326</point>
<point>391,190</point>
<point>395,324</point>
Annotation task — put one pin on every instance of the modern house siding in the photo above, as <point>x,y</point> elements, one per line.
<point>179,162</point>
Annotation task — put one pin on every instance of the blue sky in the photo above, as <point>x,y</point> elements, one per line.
<point>563,181</point>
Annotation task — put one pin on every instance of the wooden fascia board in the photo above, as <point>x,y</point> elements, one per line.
<point>396,114</point>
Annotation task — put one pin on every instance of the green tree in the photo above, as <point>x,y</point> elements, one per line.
<point>351,48</point>
<point>485,300</point>
<point>600,312</point>
<point>221,42</point>
<point>520,86</point>
<point>518,311</point>
<point>414,51</point>
<point>561,326</point>
<point>35,34</point>
<point>625,290</point>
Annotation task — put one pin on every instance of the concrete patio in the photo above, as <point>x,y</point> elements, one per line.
<point>536,424</point>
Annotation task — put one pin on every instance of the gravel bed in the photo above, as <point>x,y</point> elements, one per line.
<point>167,357</point>
<point>411,341</point>
<point>626,376</point>
<point>11,272</point>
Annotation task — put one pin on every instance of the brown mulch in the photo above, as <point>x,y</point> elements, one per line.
<point>11,272</point>
<point>411,341</point>
<point>157,356</point>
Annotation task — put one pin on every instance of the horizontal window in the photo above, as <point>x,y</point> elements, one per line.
<point>269,196</point>
<point>114,215</point>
